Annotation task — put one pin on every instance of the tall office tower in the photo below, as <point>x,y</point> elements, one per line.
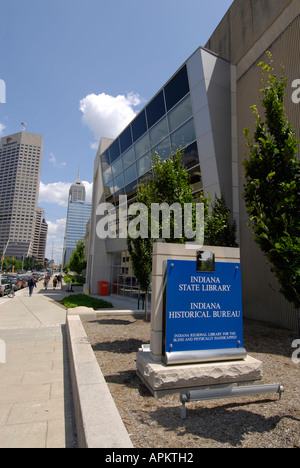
<point>40,236</point>
<point>20,170</point>
<point>77,191</point>
<point>79,212</point>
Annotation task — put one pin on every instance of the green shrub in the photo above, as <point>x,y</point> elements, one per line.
<point>77,300</point>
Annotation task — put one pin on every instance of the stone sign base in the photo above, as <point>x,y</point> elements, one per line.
<point>164,380</point>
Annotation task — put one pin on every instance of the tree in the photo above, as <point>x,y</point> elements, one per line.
<point>140,251</point>
<point>78,261</point>
<point>219,230</point>
<point>169,184</point>
<point>272,188</point>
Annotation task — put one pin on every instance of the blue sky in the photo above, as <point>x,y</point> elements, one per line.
<point>76,70</point>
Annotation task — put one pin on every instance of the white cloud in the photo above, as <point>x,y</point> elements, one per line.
<point>54,163</point>
<point>107,115</point>
<point>56,228</point>
<point>57,193</point>
<point>2,128</point>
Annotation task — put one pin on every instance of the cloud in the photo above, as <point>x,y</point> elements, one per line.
<point>107,115</point>
<point>55,239</point>
<point>54,163</point>
<point>57,192</point>
<point>2,128</point>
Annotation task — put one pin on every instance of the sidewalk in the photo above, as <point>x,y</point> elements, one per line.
<point>35,390</point>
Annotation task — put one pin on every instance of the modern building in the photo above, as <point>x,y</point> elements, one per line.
<point>20,169</point>
<point>79,212</point>
<point>204,108</point>
<point>40,236</point>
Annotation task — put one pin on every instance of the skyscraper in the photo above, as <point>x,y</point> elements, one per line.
<point>40,236</point>
<point>77,191</point>
<point>79,212</point>
<point>20,170</point>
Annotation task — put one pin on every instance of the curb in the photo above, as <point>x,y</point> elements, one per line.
<point>98,421</point>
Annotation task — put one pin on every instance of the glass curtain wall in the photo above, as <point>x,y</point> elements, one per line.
<point>123,280</point>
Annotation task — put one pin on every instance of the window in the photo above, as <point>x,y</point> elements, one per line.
<point>118,183</point>
<point>128,158</point>
<point>114,151</point>
<point>142,146</point>
<point>177,88</point>
<point>144,164</point>
<point>180,114</point>
<point>156,109</point>
<point>117,167</point>
<point>108,189</point>
<point>107,175</point>
<point>159,132</point>
<point>139,126</point>
<point>105,160</point>
<point>130,174</point>
<point>191,157</point>
<point>125,139</point>
<point>163,149</point>
<point>184,135</point>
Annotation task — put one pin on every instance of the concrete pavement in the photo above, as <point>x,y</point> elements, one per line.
<point>36,409</point>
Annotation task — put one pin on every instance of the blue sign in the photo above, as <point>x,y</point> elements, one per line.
<point>203,312</point>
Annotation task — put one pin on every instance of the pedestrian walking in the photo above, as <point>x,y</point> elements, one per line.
<point>31,285</point>
<point>54,282</point>
<point>47,279</point>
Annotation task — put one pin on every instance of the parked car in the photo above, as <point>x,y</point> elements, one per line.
<point>36,276</point>
<point>15,279</point>
<point>24,280</point>
<point>4,287</point>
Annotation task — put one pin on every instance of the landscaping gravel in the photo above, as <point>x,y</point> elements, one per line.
<point>260,421</point>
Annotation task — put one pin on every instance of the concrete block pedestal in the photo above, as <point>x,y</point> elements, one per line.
<point>164,380</point>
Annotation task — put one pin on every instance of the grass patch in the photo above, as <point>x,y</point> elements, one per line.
<point>77,300</point>
<point>76,280</point>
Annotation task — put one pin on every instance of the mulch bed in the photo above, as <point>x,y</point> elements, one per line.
<point>257,421</point>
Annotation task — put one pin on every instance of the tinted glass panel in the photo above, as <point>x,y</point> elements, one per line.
<point>159,132</point>
<point>177,88</point>
<point>139,126</point>
<point>105,160</point>
<point>144,165</point>
<point>142,146</point>
<point>190,157</point>
<point>108,189</point>
<point>130,174</point>
<point>107,175</point>
<point>117,167</point>
<point>125,139</point>
<point>118,182</point>
<point>163,149</point>
<point>128,158</point>
<point>183,136</point>
<point>114,151</point>
<point>180,114</point>
<point>156,109</point>
<point>196,181</point>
